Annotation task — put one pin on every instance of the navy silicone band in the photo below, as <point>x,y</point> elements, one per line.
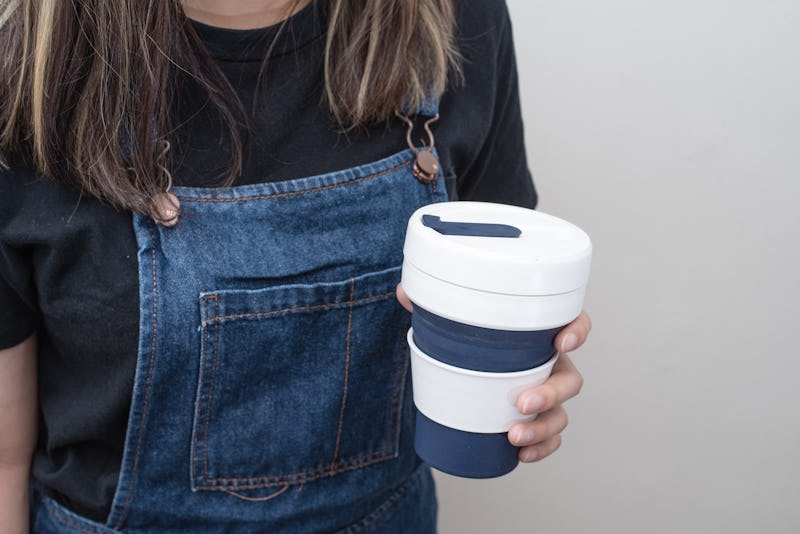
<point>481,349</point>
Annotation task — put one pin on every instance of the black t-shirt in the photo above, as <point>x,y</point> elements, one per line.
<point>68,262</point>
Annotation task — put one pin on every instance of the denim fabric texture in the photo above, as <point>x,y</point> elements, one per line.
<point>272,389</point>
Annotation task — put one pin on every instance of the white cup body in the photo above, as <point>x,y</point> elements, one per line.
<point>471,401</point>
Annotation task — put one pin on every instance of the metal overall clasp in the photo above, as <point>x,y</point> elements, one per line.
<point>166,206</point>
<point>426,164</point>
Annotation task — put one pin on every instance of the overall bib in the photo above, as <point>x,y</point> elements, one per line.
<point>272,389</point>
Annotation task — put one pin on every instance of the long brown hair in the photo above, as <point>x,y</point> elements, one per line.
<point>86,85</point>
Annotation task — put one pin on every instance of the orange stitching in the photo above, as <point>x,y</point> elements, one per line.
<point>393,403</point>
<point>147,385</point>
<point>346,372</point>
<point>399,391</point>
<point>322,472</point>
<point>201,405</point>
<point>204,344</point>
<point>298,308</point>
<point>399,404</point>
<point>211,390</point>
<point>65,520</point>
<point>295,193</point>
<point>315,473</point>
<point>257,499</point>
<point>356,462</point>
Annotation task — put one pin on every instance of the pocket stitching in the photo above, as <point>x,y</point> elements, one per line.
<point>398,389</point>
<point>346,373</point>
<point>301,477</point>
<point>218,318</point>
<point>211,388</point>
<point>295,193</point>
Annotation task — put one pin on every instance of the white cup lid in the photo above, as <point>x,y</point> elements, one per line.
<point>459,243</point>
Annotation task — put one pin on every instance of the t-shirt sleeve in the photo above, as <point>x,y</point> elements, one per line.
<point>19,317</point>
<point>500,171</point>
<point>17,320</point>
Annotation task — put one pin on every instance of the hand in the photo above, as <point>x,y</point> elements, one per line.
<point>541,437</point>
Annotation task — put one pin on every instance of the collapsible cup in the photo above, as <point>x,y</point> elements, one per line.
<point>491,285</point>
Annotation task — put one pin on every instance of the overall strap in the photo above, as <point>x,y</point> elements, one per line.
<point>426,163</point>
<point>429,107</point>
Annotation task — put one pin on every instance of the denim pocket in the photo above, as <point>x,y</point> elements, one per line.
<point>298,382</point>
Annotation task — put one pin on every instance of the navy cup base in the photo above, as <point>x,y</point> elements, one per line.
<point>463,454</point>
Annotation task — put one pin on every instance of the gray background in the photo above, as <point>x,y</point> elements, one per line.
<point>670,132</point>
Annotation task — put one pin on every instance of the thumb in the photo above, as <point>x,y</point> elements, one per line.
<point>403,299</point>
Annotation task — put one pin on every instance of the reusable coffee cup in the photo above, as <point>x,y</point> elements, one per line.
<point>491,285</point>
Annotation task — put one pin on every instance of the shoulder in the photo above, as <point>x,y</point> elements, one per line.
<point>15,171</point>
<point>485,42</point>
<point>485,21</point>
<point>16,178</point>
<point>31,202</point>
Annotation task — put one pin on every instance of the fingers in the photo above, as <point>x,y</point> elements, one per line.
<point>539,430</point>
<point>574,334</point>
<point>403,298</point>
<point>540,451</point>
<point>564,383</point>
<point>541,437</point>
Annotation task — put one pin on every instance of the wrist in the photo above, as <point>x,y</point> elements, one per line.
<point>14,497</point>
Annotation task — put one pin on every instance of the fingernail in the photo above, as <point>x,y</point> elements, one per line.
<point>518,436</point>
<point>570,342</point>
<point>521,437</point>
<point>533,404</point>
<point>529,455</point>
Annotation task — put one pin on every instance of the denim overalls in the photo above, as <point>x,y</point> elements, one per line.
<point>272,384</point>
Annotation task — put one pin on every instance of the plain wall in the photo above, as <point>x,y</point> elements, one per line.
<point>670,132</point>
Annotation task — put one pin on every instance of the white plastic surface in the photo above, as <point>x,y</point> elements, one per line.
<point>550,257</point>
<point>490,310</point>
<point>472,401</point>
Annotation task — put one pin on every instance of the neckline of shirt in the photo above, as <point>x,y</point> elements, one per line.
<point>226,44</point>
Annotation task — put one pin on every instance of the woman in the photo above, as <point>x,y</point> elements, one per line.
<point>203,286</point>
